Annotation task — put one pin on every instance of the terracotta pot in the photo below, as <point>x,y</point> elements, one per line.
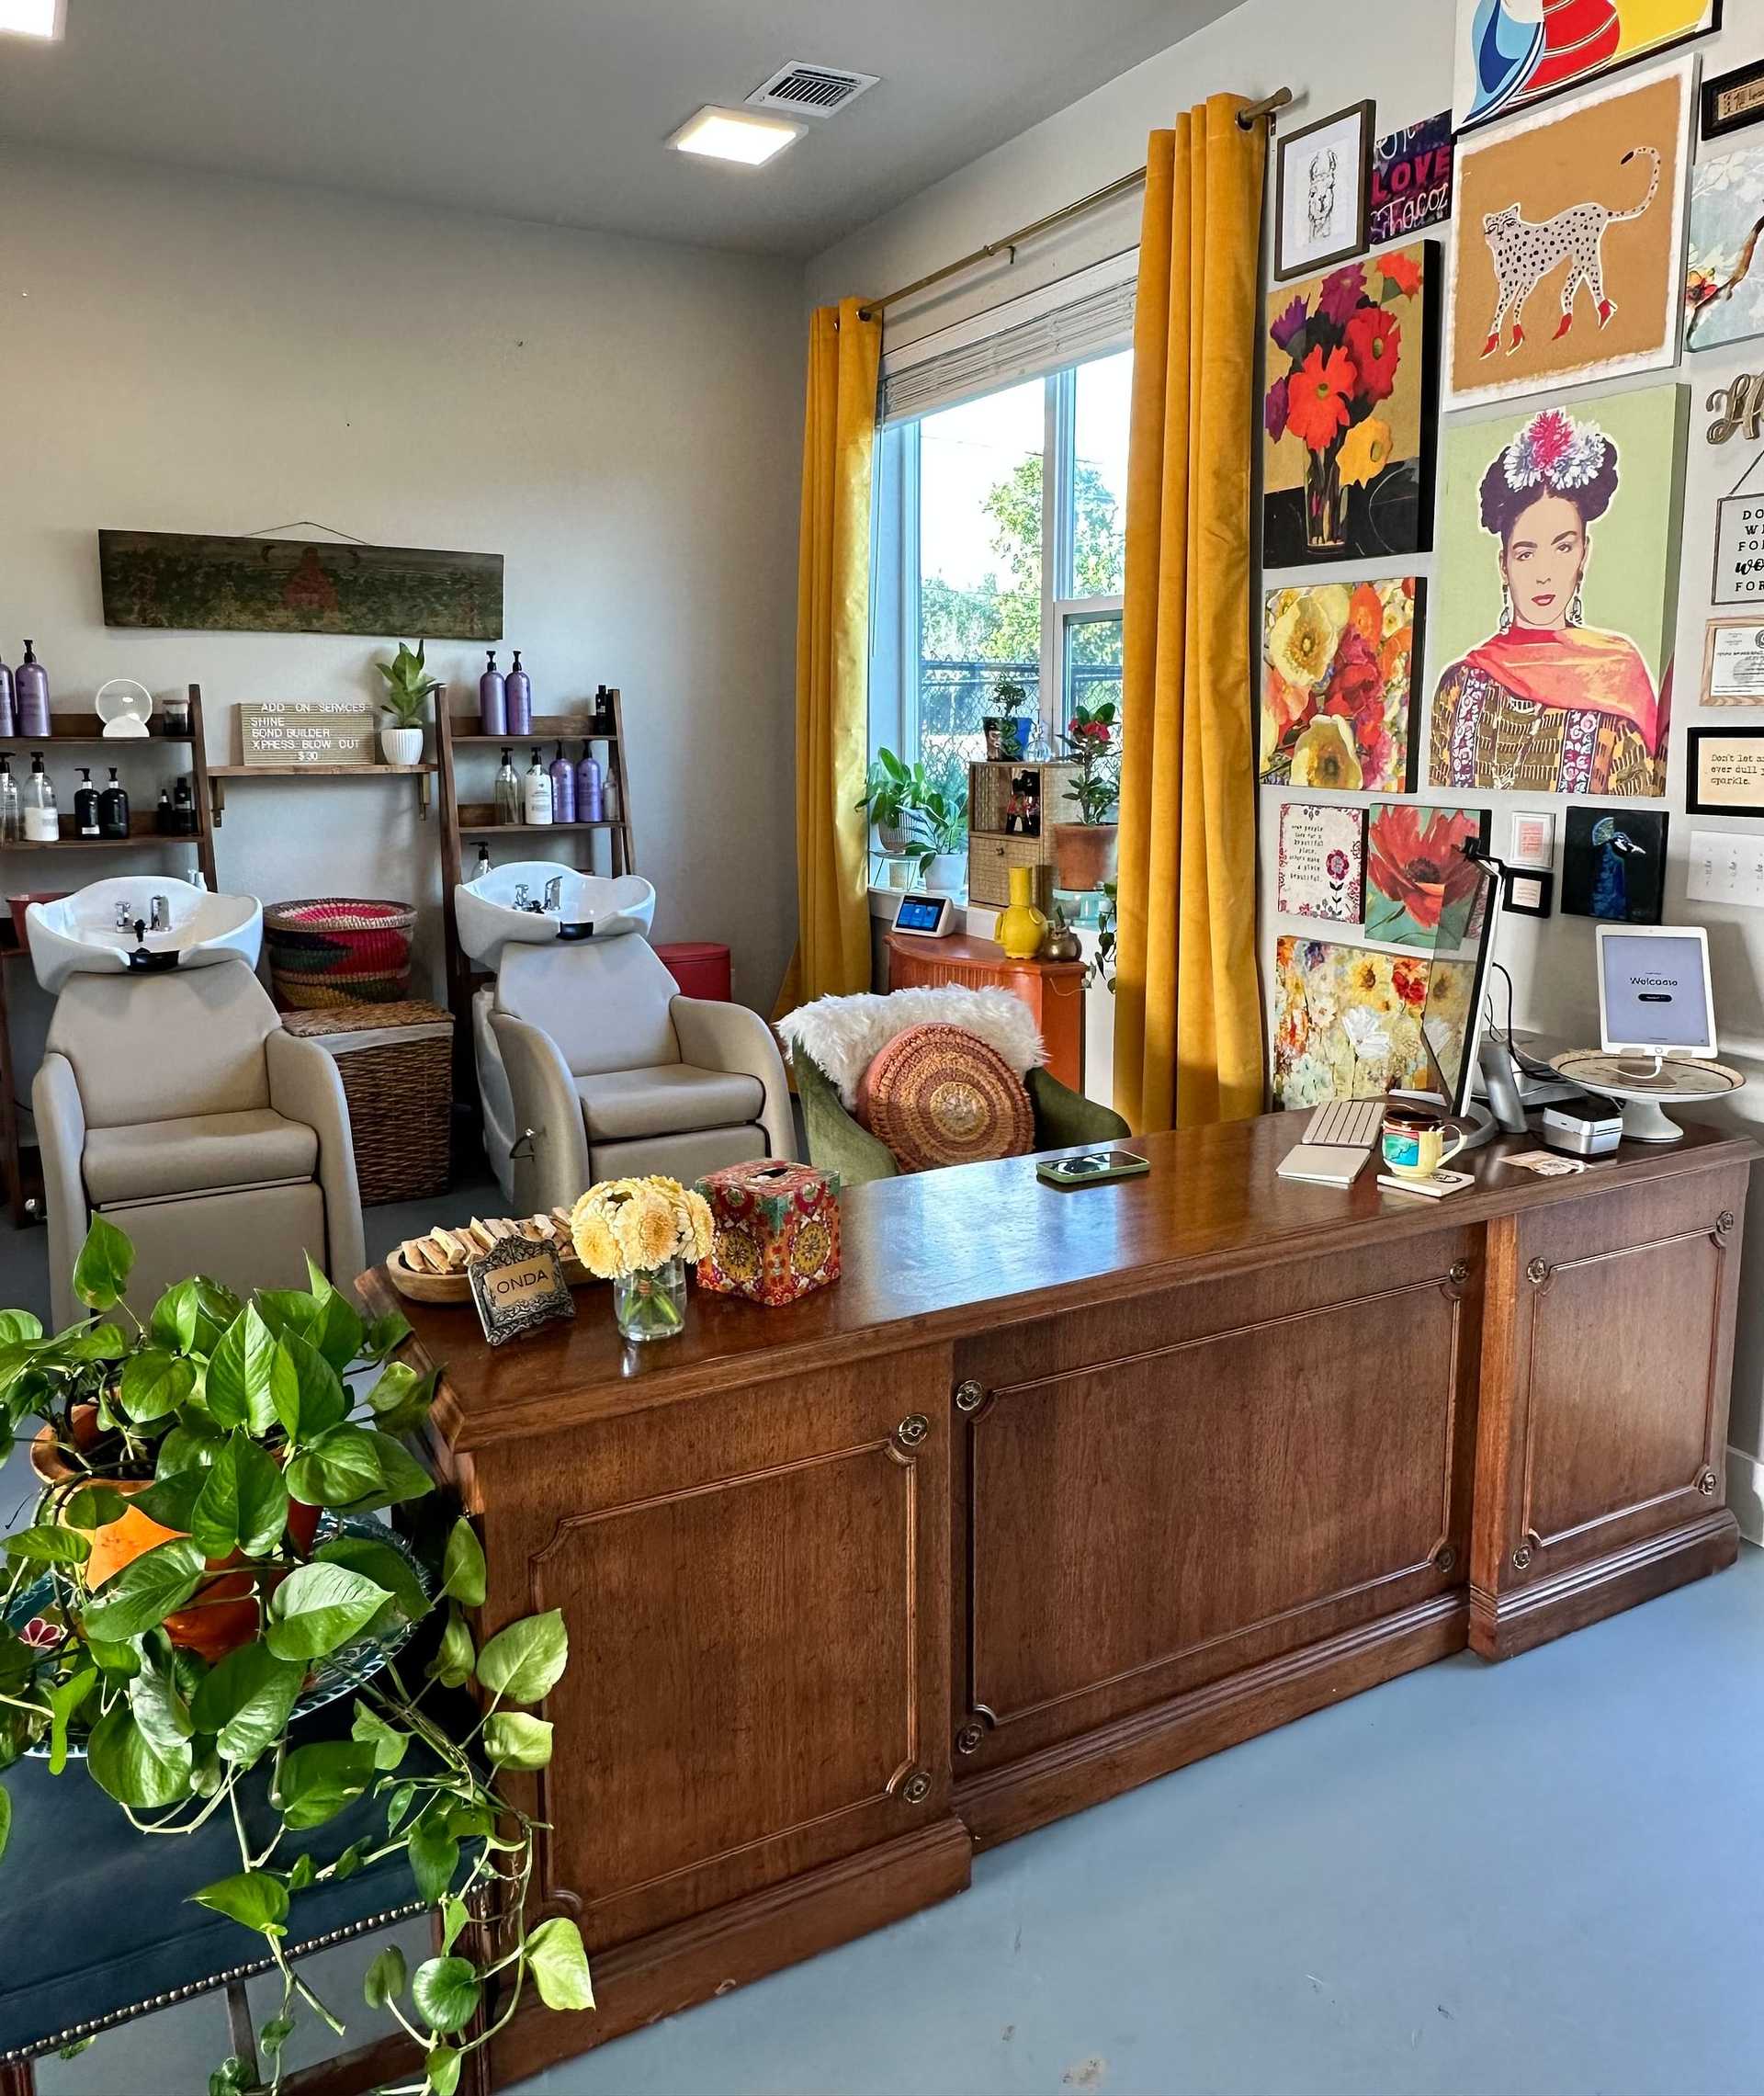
<point>1084,854</point>
<point>224,1614</point>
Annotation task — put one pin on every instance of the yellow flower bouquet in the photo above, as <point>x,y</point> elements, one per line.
<point>639,1234</point>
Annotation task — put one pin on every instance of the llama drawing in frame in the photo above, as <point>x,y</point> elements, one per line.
<point>1524,252</point>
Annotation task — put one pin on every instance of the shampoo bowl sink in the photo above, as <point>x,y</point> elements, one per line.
<point>507,907</point>
<point>80,935</point>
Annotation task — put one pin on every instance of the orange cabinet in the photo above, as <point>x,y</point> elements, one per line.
<point>1052,990</point>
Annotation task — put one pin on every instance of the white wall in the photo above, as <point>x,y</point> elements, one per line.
<point>619,420</point>
<point>1322,48</point>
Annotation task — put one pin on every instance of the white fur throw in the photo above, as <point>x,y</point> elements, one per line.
<point>845,1034</point>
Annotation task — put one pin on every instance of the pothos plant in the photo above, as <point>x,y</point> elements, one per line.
<point>190,1465</point>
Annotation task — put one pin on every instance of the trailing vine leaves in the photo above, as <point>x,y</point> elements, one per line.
<point>228,1424</point>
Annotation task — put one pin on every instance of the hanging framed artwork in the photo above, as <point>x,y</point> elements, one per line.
<point>1348,416</point>
<point>1508,54</point>
<point>1421,888</point>
<point>1733,662</point>
<point>1567,246</point>
<point>1320,870</point>
<point>1613,865</point>
<point>1733,100</point>
<point>1738,576</point>
<point>1724,272</point>
<point>1338,684</point>
<point>1411,180</point>
<point>1348,1020</point>
<point>1726,771</point>
<point>1322,181</point>
<point>1558,568</point>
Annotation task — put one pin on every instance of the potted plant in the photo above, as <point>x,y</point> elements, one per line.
<point>1084,851</point>
<point>1007,735</point>
<point>889,788</point>
<point>408,686</point>
<point>939,823</point>
<point>214,1461</point>
<point>639,1234</point>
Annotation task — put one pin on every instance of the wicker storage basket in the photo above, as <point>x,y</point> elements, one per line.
<point>337,950</point>
<point>396,1061</point>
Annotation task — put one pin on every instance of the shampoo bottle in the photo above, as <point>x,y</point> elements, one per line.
<point>85,805</point>
<point>30,694</point>
<point>588,785</point>
<point>493,699</point>
<point>12,825</point>
<point>609,796</point>
<point>508,791</point>
<point>113,809</point>
<point>518,689</point>
<point>563,788</point>
<point>482,867</point>
<point>8,715</point>
<point>42,824</point>
<point>537,800</point>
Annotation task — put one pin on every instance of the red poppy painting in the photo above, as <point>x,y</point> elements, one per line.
<point>1421,888</point>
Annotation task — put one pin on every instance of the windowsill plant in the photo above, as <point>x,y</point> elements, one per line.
<point>1006,732</point>
<point>1085,850</point>
<point>186,1464</point>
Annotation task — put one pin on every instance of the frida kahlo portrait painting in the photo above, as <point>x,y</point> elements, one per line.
<point>1565,688</point>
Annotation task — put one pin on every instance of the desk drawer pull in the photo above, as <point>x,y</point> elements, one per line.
<point>969,1396</point>
<point>912,1430</point>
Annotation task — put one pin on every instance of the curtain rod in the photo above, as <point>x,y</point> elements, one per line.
<point>1250,114</point>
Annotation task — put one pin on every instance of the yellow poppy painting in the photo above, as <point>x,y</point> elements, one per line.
<point>1338,684</point>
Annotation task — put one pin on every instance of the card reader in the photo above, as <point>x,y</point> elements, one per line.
<point>1583,1126</point>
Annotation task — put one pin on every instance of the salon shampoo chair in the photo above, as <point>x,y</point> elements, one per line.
<point>591,1063</point>
<point>170,1101</point>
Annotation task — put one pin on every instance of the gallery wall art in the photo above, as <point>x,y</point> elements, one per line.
<point>1724,272</point>
<point>295,585</point>
<point>1321,865</point>
<point>1349,411</point>
<point>1568,243</point>
<point>1509,54</point>
<point>1558,569</point>
<point>1338,693</point>
<point>1613,865</point>
<point>1348,1020</point>
<point>1322,177</point>
<point>1421,888</point>
<point>1411,180</point>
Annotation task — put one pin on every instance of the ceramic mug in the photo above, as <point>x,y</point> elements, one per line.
<point>1414,1142</point>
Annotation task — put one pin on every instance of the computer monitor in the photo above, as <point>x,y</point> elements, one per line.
<point>1452,1015</point>
<point>1655,994</point>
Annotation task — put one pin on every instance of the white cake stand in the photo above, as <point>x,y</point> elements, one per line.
<point>1646,1086</point>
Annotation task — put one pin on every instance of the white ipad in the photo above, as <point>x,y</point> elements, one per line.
<point>1655,995</point>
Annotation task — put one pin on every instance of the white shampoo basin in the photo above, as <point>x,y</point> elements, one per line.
<point>81,934</point>
<point>508,907</point>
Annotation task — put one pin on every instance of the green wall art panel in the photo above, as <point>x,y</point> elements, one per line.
<point>182,580</point>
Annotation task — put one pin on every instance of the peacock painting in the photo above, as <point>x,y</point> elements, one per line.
<point>1613,865</point>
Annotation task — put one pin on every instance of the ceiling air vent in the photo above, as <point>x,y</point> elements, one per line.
<point>800,90</point>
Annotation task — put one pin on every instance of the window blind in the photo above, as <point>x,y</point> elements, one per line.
<point>1065,323</point>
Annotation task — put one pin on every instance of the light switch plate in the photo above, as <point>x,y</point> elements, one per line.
<point>1726,866</point>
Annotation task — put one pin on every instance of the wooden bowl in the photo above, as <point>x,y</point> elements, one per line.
<point>422,1287</point>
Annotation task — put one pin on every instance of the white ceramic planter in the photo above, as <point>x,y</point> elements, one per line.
<point>947,873</point>
<point>402,745</point>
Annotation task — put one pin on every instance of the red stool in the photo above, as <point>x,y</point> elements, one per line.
<point>700,967</point>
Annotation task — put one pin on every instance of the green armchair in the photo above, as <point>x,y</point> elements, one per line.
<point>837,1143</point>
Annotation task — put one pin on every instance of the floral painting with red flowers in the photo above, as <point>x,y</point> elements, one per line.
<point>1347,465</point>
<point>1348,1020</point>
<point>1420,889</point>
<point>1338,684</point>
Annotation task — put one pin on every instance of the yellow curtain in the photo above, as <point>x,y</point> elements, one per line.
<point>1187,1034</point>
<point>833,956</point>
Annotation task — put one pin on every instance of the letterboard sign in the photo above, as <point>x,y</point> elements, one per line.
<point>517,1287</point>
<point>306,731</point>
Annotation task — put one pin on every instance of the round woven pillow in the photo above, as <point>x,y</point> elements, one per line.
<point>939,1096</point>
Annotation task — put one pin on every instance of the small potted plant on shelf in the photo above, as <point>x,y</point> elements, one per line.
<point>639,1234</point>
<point>408,686</point>
<point>1007,733</point>
<point>203,1563</point>
<point>1084,851</point>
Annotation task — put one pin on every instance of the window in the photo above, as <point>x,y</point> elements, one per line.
<point>999,555</point>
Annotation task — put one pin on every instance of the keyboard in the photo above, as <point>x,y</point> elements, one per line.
<point>1346,1124</point>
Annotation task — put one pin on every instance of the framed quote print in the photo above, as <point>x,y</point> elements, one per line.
<point>1726,771</point>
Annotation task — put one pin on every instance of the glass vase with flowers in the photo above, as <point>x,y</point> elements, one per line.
<point>639,1234</point>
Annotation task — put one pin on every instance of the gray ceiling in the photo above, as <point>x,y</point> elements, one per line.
<point>556,109</point>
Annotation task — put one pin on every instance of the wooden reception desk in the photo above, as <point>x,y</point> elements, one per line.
<point>1055,1492</point>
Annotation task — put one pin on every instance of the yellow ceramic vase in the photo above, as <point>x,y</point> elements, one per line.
<point>1022,927</point>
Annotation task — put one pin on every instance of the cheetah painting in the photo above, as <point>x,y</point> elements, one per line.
<point>1569,243</point>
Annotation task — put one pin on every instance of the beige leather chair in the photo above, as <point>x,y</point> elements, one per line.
<point>612,1073</point>
<point>176,1106</point>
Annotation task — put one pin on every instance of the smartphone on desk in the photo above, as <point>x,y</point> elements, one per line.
<point>1091,1169</point>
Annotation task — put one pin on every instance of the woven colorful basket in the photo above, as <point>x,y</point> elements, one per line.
<point>333,950</point>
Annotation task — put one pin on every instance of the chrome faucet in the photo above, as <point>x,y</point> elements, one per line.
<point>125,915</point>
<point>554,893</point>
<point>160,916</point>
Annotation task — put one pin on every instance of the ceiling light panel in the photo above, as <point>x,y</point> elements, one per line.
<point>734,135</point>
